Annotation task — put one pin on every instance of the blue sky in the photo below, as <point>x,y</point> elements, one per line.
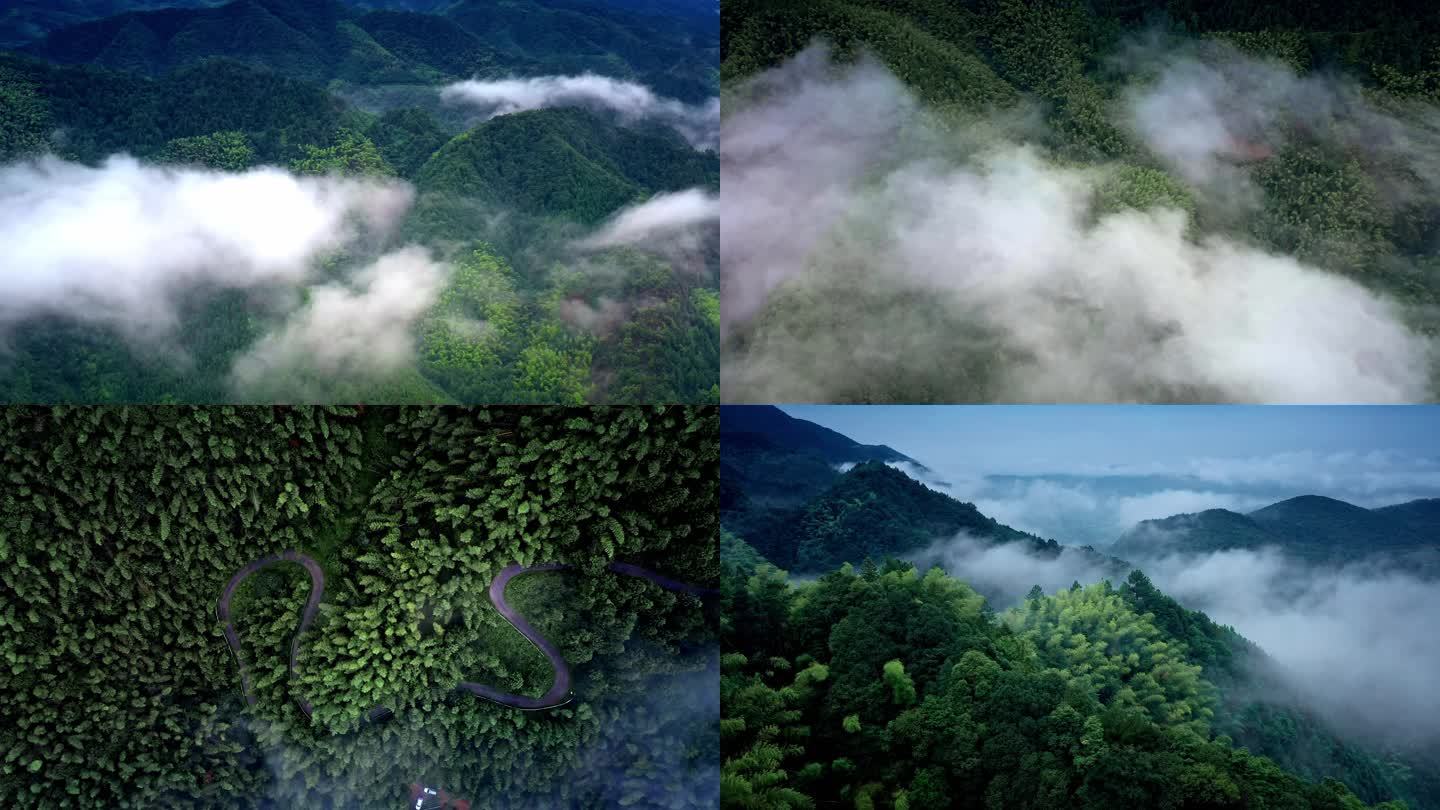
<point>1035,438</point>
<point>1186,458</point>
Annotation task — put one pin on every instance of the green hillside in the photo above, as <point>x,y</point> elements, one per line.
<point>564,162</point>
<point>875,511</point>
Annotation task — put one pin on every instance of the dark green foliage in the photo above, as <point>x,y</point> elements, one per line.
<point>119,526</point>
<point>321,40</point>
<point>24,116</point>
<point>876,511</point>
<point>407,138</point>
<point>819,706</point>
<point>102,113</point>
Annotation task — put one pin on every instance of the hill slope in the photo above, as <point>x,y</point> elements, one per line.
<point>565,162</point>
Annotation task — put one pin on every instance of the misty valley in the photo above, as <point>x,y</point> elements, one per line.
<point>314,201</point>
<point>888,643</point>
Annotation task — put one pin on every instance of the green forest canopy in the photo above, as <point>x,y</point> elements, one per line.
<point>888,688</point>
<point>119,526</point>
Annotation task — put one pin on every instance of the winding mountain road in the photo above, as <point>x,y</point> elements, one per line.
<point>559,693</point>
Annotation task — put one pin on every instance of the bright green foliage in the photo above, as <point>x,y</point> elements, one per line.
<point>708,303</point>
<point>978,715</point>
<point>467,339</point>
<point>226,151</point>
<point>119,526</point>
<point>1095,635</point>
<point>350,153</point>
<point>553,367</point>
<point>902,689</point>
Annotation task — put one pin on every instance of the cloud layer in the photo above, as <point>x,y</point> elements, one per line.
<point>349,331</point>
<point>632,101</point>
<point>117,244</point>
<point>1084,504</point>
<point>873,258</point>
<point>662,216</point>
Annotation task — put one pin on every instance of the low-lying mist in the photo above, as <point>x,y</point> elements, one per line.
<point>338,285</point>
<point>631,101</point>
<point>874,250</point>
<point>1354,640</point>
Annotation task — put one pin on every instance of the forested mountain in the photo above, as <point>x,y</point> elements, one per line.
<point>527,308</point>
<point>887,688</point>
<point>1314,119</point>
<point>878,685</point>
<point>875,511</point>
<point>119,527</point>
<point>1309,527</point>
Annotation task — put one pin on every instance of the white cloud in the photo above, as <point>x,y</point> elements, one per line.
<point>828,192</point>
<point>348,331</point>
<point>662,216</point>
<point>116,244</point>
<point>632,101</point>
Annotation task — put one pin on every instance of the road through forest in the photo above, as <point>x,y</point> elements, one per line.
<point>559,693</point>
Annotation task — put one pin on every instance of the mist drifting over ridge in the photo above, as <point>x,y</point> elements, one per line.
<point>1351,639</point>
<point>630,100</point>
<point>857,249</point>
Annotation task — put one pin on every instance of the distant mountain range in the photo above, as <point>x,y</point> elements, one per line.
<point>389,43</point>
<point>1311,527</point>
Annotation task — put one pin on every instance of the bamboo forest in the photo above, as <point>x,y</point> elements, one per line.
<point>266,607</point>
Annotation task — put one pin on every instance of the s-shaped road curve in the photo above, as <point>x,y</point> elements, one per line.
<point>559,694</point>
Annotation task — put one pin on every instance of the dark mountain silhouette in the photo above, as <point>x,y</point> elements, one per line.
<point>782,492</point>
<point>1211,530</point>
<point>877,511</point>
<point>1311,527</point>
<point>322,40</point>
<point>771,461</point>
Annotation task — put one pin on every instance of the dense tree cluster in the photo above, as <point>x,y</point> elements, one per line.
<point>118,528</point>
<point>888,688</point>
